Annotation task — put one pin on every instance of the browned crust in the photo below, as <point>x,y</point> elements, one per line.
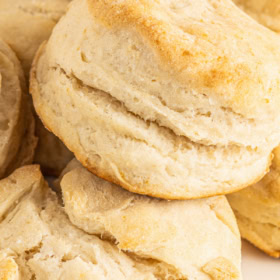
<point>172,48</point>
<point>34,90</point>
<point>213,71</point>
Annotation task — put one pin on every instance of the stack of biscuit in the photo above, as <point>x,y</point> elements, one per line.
<point>167,106</point>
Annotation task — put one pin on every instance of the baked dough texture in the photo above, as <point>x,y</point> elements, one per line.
<point>174,99</point>
<point>266,12</point>
<point>24,25</point>
<point>17,140</point>
<point>38,241</point>
<point>257,210</point>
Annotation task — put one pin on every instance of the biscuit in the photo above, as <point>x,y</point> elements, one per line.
<point>131,236</point>
<point>257,209</point>
<point>266,12</point>
<point>17,140</point>
<point>155,229</point>
<point>176,106</point>
<point>24,25</point>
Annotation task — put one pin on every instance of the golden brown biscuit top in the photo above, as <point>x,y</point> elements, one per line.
<point>211,46</point>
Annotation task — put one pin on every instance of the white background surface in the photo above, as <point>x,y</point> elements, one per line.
<point>257,265</point>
